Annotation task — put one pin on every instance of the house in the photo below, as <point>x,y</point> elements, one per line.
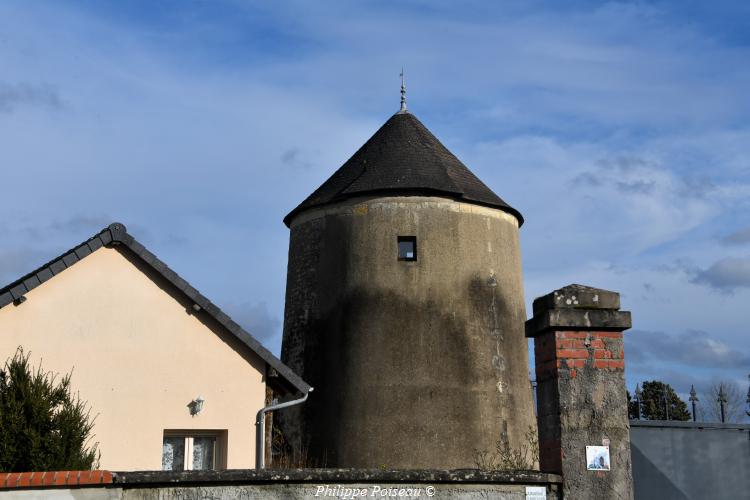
<point>174,383</point>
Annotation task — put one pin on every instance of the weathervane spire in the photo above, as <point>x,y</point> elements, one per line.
<point>403,91</point>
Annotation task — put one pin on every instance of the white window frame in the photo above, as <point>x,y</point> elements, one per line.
<point>189,437</point>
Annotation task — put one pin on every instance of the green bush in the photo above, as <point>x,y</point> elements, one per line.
<point>43,426</point>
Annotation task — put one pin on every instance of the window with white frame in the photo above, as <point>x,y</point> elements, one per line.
<point>191,450</point>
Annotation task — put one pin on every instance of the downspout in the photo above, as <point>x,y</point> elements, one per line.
<point>260,431</point>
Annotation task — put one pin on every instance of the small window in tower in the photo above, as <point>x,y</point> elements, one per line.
<point>407,248</point>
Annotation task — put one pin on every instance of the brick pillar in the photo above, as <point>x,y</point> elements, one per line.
<point>579,359</point>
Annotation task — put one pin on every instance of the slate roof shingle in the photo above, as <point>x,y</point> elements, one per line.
<point>116,234</point>
<point>403,158</point>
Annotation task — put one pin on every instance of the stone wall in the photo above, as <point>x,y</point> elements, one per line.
<point>306,484</point>
<point>415,364</point>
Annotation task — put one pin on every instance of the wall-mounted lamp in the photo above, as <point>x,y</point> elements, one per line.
<point>195,406</point>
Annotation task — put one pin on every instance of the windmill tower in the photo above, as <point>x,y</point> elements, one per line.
<point>405,310</point>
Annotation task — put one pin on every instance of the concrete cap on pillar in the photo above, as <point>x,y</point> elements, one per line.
<point>578,307</point>
<point>577,297</point>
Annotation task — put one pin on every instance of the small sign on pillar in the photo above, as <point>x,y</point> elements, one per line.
<point>597,458</point>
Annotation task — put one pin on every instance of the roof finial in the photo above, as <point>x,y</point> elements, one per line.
<point>403,91</point>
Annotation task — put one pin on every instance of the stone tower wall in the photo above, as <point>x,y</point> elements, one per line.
<point>414,364</point>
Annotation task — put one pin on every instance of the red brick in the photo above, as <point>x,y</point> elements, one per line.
<point>3,479</point>
<point>573,373</point>
<point>59,479</point>
<point>73,477</point>
<point>99,477</point>
<point>37,479</point>
<point>571,344</point>
<point>576,363</point>
<point>597,344</point>
<point>609,363</point>
<point>571,335</point>
<point>602,354</point>
<point>607,335</point>
<point>572,353</point>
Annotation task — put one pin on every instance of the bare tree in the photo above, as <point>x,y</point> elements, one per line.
<point>709,407</point>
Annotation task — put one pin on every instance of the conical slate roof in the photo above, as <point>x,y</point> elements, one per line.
<point>403,158</point>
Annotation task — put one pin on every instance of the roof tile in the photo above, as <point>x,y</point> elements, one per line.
<point>95,244</point>
<point>18,291</point>
<point>44,274</point>
<point>82,250</point>
<point>403,157</point>
<point>70,258</point>
<point>57,267</point>
<point>31,282</point>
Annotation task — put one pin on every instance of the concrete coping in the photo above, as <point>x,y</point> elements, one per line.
<point>250,476</point>
<point>677,424</point>
<point>577,297</point>
<point>578,308</point>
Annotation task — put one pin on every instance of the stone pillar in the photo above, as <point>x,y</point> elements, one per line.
<point>577,332</point>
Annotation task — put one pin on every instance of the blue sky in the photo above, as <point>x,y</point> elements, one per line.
<point>620,130</point>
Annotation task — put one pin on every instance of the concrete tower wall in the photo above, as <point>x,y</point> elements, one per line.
<point>415,364</point>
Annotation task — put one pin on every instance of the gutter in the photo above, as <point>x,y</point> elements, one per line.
<point>260,430</point>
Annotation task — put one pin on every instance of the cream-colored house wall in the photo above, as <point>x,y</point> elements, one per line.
<point>138,358</point>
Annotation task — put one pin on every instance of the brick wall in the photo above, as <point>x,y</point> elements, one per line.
<point>573,350</point>
<point>68,478</point>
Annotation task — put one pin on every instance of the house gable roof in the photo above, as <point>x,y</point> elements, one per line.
<point>404,158</point>
<point>116,234</point>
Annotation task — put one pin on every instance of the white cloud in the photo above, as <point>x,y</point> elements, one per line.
<point>726,275</point>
